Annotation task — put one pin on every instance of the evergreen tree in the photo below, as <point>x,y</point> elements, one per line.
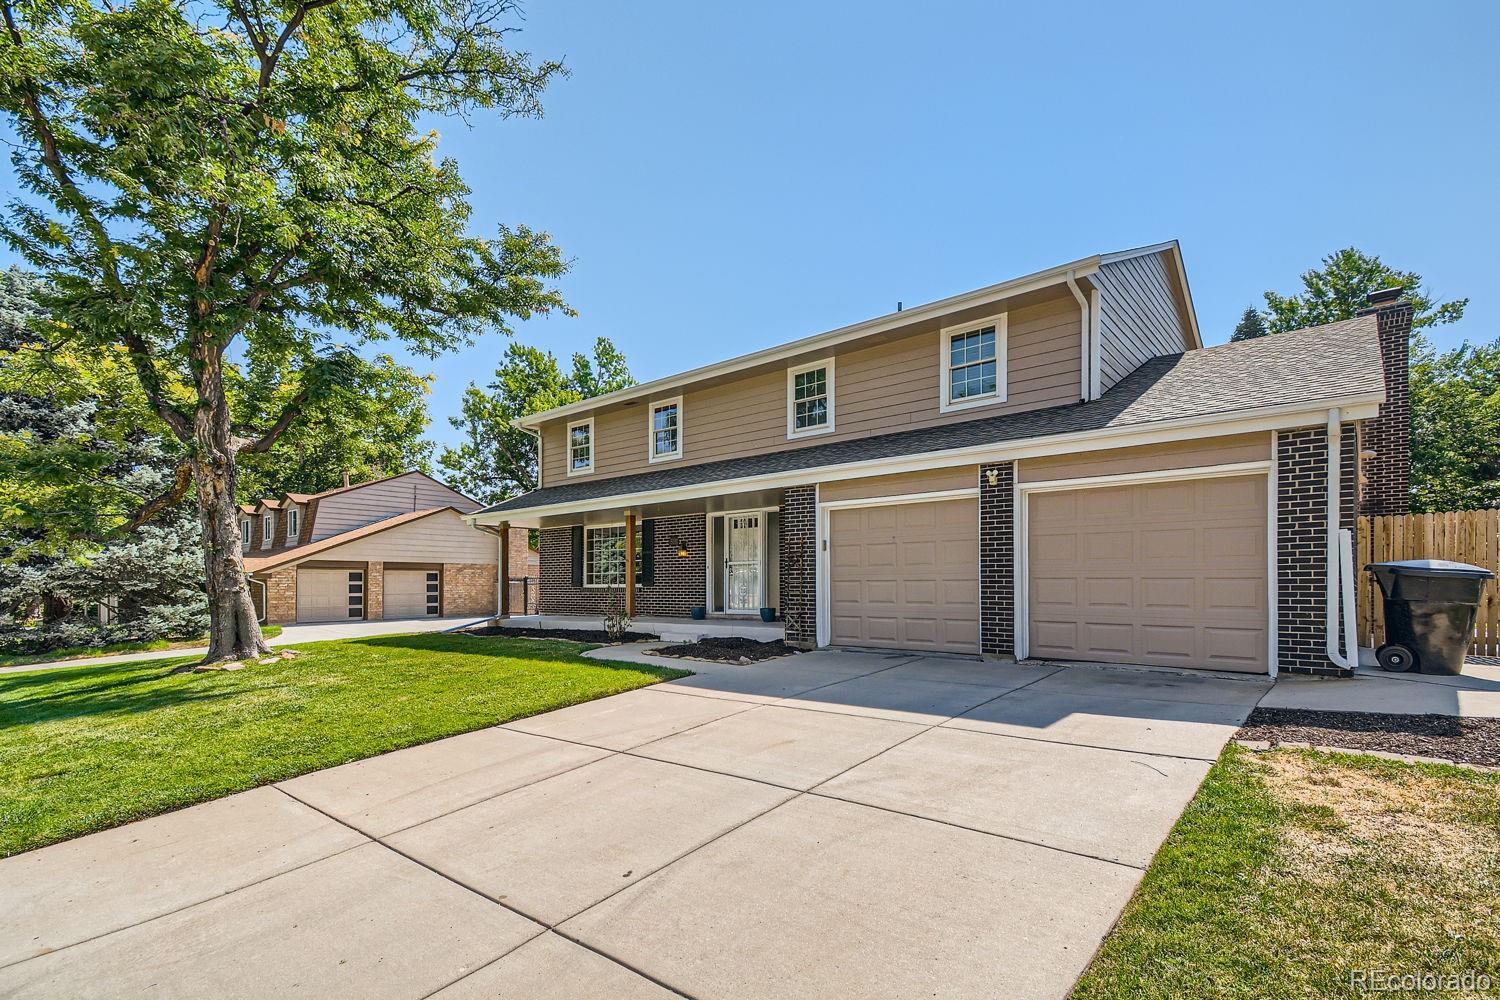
<point>1250,326</point>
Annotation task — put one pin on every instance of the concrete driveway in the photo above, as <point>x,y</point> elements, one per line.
<point>827,825</point>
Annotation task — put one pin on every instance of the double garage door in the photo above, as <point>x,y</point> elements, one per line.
<point>1164,573</point>
<point>325,595</point>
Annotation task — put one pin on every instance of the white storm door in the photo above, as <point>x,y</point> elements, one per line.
<point>742,579</point>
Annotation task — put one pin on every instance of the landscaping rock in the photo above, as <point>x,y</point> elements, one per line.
<point>1446,737</point>
<point>728,649</point>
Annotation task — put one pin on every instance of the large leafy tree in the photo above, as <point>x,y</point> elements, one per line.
<point>1339,288</point>
<point>201,174</point>
<point>496,460</point>
<point>1455,404</point>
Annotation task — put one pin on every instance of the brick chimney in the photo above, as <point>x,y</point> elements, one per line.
<point>346,480</point>
<point>1388,471</point>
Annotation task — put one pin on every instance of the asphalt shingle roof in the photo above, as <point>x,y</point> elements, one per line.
<point>1321,362</point>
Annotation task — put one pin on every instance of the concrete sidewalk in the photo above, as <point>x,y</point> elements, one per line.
<point>290,635</point>
<point>1473,694</point>
<point>828,824</point>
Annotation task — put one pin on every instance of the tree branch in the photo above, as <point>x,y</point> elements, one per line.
<point>291,411</point>
<point>182,478</point>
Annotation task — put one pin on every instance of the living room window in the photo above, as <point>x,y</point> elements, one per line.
<point>973,364</point>
<point>604,556</point>
<point>809,399</point>
<point>581,447</point>
<point>665,430</point>
<point>267,530</point>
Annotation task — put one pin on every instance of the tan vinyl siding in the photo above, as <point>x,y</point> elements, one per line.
<point>964,477</point>
<point>1196,454</point>
<point>879,388</point>
<point>378,501</point>
<point>440,538</point>
<point>1141,314</point>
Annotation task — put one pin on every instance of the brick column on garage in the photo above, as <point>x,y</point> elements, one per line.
<point>799,565</point>
<point>997,560</point>
<point>1301,543</point>
<point>374,591</point>
<point>281,596</point>
<point>470,589</point>
<point>1388,474</point>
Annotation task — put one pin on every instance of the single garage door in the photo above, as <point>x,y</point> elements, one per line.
<point>1170,574</point>
<point>326,595</point>
<point>411,593</point>
<point>906,576</point>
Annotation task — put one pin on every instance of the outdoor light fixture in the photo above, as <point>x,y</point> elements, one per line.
<point>993,475</point>
<point>682,551</point>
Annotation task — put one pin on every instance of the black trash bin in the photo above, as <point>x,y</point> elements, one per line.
<point>1430,606</point>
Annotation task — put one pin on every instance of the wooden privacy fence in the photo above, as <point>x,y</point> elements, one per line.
<point>1469,536</point>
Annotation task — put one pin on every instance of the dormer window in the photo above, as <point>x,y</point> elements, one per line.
<point>973,364</point>
<point>581,447</point>
<point>245,526</point>
<point>664,433</point>
<point>293,525</point>
<point>267,529</point>
<point>809,399</point>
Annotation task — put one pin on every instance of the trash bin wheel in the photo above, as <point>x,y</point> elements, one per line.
<point>1396,658</point>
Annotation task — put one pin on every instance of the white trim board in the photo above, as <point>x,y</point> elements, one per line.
<point>1020,525</point>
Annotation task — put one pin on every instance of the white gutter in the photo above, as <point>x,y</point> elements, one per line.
<point>1339,557</point>
<point>1085,389</point>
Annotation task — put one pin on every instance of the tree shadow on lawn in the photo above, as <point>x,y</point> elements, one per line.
<point>551,651</point>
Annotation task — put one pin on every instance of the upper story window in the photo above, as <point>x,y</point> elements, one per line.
<point>267,530</point>
<point>665,430</point>
<point>581,447</point>
<point>809,399</point>
<point>973,364</point>
<point>245,526</point>
<point>604,556</point>
<point>293,524</point>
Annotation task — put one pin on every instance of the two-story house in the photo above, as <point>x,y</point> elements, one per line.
<point>396,547</point>
<point>1052,466</point>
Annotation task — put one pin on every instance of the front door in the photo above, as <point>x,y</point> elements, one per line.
<point>742,577</point>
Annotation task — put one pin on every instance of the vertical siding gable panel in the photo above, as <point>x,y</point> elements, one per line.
<point>378,501</point>
<point>1141,315</point>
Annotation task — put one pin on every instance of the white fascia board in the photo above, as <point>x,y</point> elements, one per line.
<point>1301,414</point>
<point>865,328</point>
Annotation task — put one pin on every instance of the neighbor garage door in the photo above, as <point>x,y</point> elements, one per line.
<point>411,593</point>
<point>326,595</point>
<point>1170,573</point>
<point>906,576</point>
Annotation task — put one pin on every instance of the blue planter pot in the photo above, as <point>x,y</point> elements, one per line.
<point>768,614</point>
<point>699,613</point>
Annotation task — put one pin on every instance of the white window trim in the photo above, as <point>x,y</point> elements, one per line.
<point>1002,364</point>
<point>568,448</point>
<point>247,531</point>
<point>293,524</point>
<point>791,403</point>
<point>656,404</point>
<point>267,528</point>
<point>597,527</point>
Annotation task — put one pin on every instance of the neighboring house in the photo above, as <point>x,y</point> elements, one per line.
<point>391,548</point>
<point>1050,467</point>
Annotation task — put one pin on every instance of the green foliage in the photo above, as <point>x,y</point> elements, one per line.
<point>1338,290</point>
<point>1251,325</point>
<point>496,460</point>
<point>1455,440</point>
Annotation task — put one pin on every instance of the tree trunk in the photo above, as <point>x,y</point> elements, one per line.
<point>234,632</point>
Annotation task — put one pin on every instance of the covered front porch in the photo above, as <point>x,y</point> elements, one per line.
<point>670,628</point>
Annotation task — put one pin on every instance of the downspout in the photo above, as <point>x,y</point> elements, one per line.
<point>1339,563</point>
<point>1084,352</point>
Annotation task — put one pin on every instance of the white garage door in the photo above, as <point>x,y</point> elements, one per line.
<point>1170,574</point>
<point>411,593</point>
<point>326,595</point>
<point>906,576</point>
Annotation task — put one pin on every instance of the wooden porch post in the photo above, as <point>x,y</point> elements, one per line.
<point>629,565</point>
<point>504,569</point>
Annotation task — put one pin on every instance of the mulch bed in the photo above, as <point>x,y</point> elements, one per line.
<point>571,634</point>
<point>728,649</point>
<point>1467,741</point>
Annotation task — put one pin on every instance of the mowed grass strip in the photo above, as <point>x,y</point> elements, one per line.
<point>1292,871</point>
<point>85,652</point>
<point>85,748</point>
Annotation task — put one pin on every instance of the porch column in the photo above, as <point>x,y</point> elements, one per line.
<point>629,565</point>
<point>504,608</point>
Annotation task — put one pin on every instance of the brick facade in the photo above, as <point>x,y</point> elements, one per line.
<point>375,591</point>
<point>678,586</point>
<point>469,589</point>
<point>281,596</point>
<point>1388,474</point>
<point>997,560</point>
<point>799,564</point>
<point>1301,539</point>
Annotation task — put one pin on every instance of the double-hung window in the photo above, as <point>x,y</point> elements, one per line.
<point>581,447</point>
<point>809,399</point>
<point>665,430</point>
<point>604,556</point>
<point>245,528</point>
<point>293,525</point>
<point>267,530</point>
<point>973,364</point>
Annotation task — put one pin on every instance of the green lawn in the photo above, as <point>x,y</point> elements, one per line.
<point>1293,869</point>
<point>81,652</point>
<point>89,747</point>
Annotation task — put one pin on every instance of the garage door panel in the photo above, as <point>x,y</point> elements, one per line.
<point>411,593</point>
<point>1166,573</point>
<point>327,595</point>
<point>916,582</point>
